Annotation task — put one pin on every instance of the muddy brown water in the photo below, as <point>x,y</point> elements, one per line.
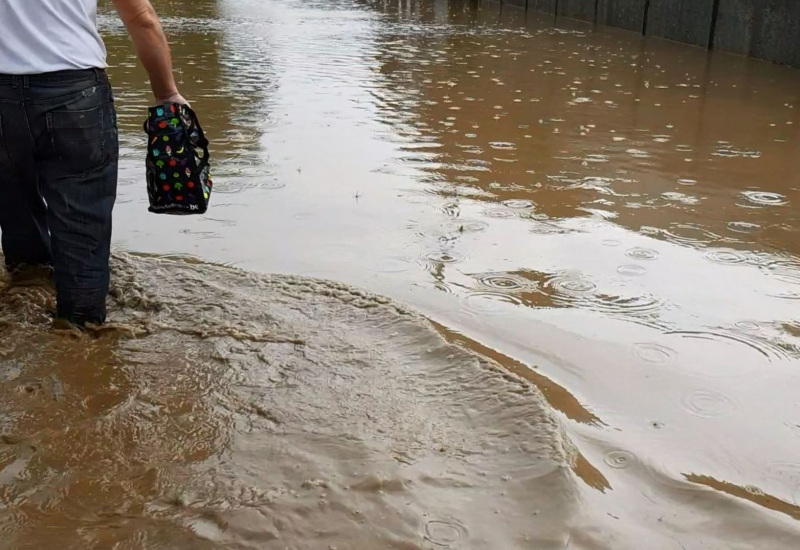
<point>565,315</point>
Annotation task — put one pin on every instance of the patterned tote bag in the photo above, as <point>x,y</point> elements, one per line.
<point>178,170</point>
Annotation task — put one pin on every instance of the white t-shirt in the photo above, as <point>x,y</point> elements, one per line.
<point>42,36</point>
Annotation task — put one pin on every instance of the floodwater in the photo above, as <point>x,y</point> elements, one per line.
<point>603,233</point>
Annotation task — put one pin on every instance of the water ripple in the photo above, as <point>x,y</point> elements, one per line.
<point>500,213</point>
<point>468,226</point>
<point>570,285</point>
<point>518,204</point>
<point>743,227</point>
<point>631,270</point>
<point>638,153</point>
<point>645,254</point>
<point>769,347</point>
<point>503,146</point>
<point>619,460</point>
<point>654,353</point>
<point>732,152</point>
<point>491,303</point>
<point>726,256</point>
<point>505,282</point>
<point>568,290</point>
<point>445,533</point>
<point>444,257</point>
<point>764,198</point>
<point>709,404</point>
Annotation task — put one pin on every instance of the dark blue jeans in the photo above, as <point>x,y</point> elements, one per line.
<point>58,183</point>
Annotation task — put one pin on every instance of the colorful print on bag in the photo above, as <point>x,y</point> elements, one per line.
<point>178,170</point>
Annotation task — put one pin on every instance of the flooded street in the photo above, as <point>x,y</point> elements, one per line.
<point>604,231</point>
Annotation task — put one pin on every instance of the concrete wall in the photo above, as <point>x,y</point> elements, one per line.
<point>734,30</point>
<point>777,35</point>
<point>766,29</point>
<point>624,14</point>
<point>585,10</point>
<point>544,6</point>
<point>688,21</point>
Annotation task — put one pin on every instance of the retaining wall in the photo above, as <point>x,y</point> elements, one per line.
<point>766,29</point>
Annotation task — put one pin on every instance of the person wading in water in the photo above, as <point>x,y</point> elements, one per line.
<point>58,141</point>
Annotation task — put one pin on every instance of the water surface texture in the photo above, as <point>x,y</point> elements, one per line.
<point>604,232</point>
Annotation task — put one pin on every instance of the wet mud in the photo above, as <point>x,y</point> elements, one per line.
<point>220,409</point>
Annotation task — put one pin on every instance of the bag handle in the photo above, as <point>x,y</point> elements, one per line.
<point>202,141</point>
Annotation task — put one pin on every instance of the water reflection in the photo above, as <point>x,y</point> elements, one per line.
<point>224,70</point>
<point>569,129</point>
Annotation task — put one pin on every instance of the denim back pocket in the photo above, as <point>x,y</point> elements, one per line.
<point>78,138</point>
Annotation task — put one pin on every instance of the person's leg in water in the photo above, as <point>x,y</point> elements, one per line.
<point>23,216</point>
<point>73,120</point>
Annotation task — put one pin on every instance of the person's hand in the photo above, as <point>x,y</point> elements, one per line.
<point>174,98</point>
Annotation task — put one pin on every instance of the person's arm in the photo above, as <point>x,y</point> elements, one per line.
<point>151,46</point>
